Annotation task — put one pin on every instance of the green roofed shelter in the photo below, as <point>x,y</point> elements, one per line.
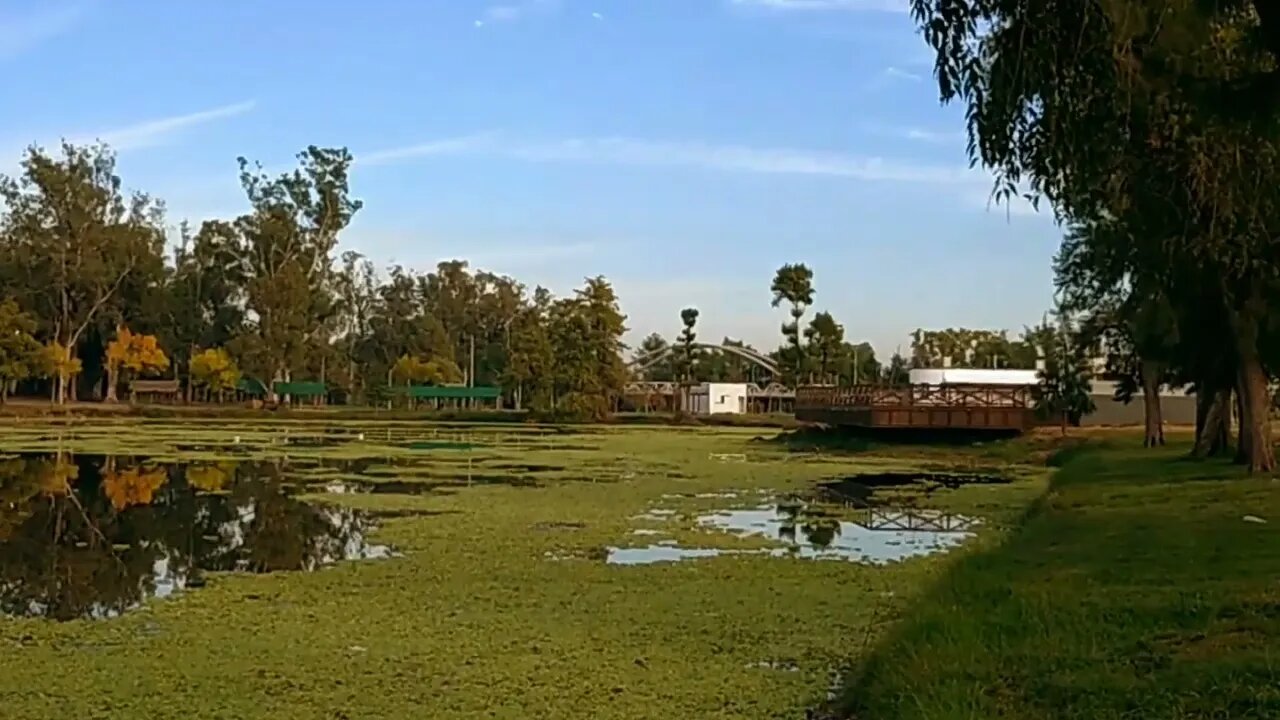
<point>251,386</point>
<point>452,392</point>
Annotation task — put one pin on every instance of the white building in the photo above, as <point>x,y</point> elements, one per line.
<point>972,376</point>
<point>718,398</point>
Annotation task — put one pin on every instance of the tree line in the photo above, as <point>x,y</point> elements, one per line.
<point>91,298</point>
<point>1152,130</point>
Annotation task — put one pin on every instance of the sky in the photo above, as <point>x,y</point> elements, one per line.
<point>684,149</point>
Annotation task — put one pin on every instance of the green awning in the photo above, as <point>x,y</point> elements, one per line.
<point>450,392</point>
<point>301,389</point>
<point>251,386</point>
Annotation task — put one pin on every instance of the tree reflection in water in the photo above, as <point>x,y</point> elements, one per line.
<point>818,528</point>
<point>92,537</point>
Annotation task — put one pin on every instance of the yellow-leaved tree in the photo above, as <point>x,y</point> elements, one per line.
<point>214,371</point>
<point>410,370</point>
<point>133,486</point>
<point>132,354</point>
<point>59,365</point>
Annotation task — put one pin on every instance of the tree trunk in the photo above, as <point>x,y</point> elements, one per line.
<point>1255,418</point>
<point>1213,421</point>
<point>1064,423</point>
<point>109,378</point>
<point>1151,404</point>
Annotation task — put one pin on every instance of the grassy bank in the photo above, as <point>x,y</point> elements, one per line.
<point>1135,589</point>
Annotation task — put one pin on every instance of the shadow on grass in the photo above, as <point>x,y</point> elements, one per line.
<point>1127,592</point>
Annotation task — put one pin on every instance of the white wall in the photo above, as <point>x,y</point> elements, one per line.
<point>718,398</point>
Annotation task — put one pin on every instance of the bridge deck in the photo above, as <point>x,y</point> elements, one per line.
<point>970,407</point>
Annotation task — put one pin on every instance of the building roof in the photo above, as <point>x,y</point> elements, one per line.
<point>972,376</point>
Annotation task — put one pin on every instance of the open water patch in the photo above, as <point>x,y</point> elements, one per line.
<point>92,537</point>
<point>873,536</point>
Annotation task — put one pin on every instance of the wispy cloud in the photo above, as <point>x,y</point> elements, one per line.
<point>900,74</point>
<point>892,6</point>
<point>157,132</point>
<point>697,155</point>
<point>22,32</point>
<point>449,146</point>
<point>918,134</point>
<point>511,12</point>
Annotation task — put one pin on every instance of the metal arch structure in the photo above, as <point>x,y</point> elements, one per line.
<point>667,388</point>
<point>644,362</point>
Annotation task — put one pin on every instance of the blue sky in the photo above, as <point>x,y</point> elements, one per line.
<point>682,148</point>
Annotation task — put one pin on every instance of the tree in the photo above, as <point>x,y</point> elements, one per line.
<point>897,372</point>
<point>76,239</point>
<point>856,364</point>
<point>20,354</point>
<point>793,284</point>
<point>287,240</point>
<point>826,344</point>
<point>205,292</point>
<point>57,364</point>
<point>213,370</point>
<point>437,371</point>
<point>1159,116</point>
<point>133,352</point>
<point>532,357</point>
<point>586,336</point>
<point>655,364</point>
<point>688,353</point>
<point>1064,389</point>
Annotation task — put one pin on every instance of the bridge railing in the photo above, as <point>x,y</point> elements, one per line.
<point>913,396</point>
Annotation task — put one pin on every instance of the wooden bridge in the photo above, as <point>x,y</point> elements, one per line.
<point>969,407</point>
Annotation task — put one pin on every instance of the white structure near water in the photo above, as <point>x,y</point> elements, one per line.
<point>972,376</point>
<point>718,398</point>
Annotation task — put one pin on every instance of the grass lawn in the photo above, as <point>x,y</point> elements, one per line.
<point>500,605</point>
<point>1134,589</point>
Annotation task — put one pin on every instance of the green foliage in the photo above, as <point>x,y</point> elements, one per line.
<point>793,284</point>
<point>688,353</point>
<point>897,371</point>
<point>72,245</point>
<point>410,370</point>
<point>21,356</point>
<point>963,347</point>
<point>1065,389</point>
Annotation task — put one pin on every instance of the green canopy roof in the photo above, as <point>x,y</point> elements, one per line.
<point>450,392</point>
<point>251,386</point>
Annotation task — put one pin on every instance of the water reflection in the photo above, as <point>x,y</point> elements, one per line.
<point>92,537</point>
<point>875,536</point>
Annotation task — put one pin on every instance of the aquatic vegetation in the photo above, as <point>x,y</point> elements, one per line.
<point>500,601</point>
